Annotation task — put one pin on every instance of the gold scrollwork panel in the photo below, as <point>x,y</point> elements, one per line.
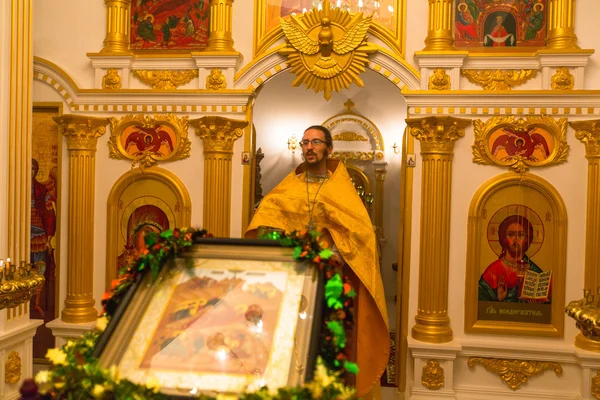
<point>13,368</point>
<point>166,79</point>
<point>496,80</point>
<point>515,372</point>
<point>142,201</point>
<point>523,302</point>
<point>518,143</point>
<point>148,139</point>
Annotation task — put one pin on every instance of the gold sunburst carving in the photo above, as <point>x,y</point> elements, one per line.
<point>562,79</point>
<point>350,137</point>
<point>439,80</point>
<point>514,372</point>
<point>499,79</point>
<point>327,49</point>
<point>166,79</point>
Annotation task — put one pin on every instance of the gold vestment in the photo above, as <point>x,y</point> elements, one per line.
<point>339,209</point>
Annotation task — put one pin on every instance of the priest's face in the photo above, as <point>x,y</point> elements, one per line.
<point>315,154</point>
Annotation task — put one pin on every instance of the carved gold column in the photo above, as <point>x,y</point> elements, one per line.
<point>19,129</point>
<point>440,25</point>
<point>588,132</point>
<point>117,26</point>
<point>220,26</point>
<point>379,184</point>
<point>82,134</point>
<point>437,136</point>
<point>218,135</point>
<point>561,25</point>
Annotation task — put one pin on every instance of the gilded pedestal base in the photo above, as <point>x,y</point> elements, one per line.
<point>586,344</point>
<point>432,330</point>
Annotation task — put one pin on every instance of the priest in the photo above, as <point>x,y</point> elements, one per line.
<point>319,195</point>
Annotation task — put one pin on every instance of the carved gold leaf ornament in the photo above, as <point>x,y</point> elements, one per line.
<point>514,372</point>
<point>327,49</point>
<point>520,141</point>
<point>439,80</point>
<point>112,80</point>
<point>218,134</point>
<point>344,156</point>
<point>216,80</point>
<point>499,79</point>
<point>149,136</point>
<point>350,137</point>
<point>433,375</point>
<point>13,367</point>
<point>17,291</point>
<point>595,389</point>
<point>166,79</point>
<point>562,79</point>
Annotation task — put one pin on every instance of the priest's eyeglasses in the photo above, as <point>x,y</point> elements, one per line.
<point>315,142</point>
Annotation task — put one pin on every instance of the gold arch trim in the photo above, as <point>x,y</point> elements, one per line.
<point>474,232</point>
<point>182,216</point>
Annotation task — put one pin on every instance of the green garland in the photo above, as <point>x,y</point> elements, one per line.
<point>77,374</point>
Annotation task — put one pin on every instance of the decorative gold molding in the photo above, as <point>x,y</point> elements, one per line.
<point>514,372</point>
<point>433,375</point>
<point>18,291</point>
<point>216,80</point>
<point>437,136</point>
<point>588,132</point>
<point>82,134</point>
<point>595,388</point>
<point>220,37</point>
<point>327,49</point>
<point>166,79</point>
<point>440,26</point>
<point>354,118</point>
<point>117,26</point>
<point>439,80</point>
<point>562,79</point>
<point>499,79</point>
<point>561,25</point>
<point>13,368</point>
<point>350,137</point>
<point>344,156</point>
<point>112,80</point>
<point>218,135</point>
<point>523,130</point>
<point>152,128</point>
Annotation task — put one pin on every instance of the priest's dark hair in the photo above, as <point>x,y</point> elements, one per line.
<point>328,137</point>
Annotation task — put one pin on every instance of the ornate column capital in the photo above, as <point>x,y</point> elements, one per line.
<point>437,134</point>
<point>588,132</point>
<point>218,133</point>
<point>380,174</point>
<point>82,132</point>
